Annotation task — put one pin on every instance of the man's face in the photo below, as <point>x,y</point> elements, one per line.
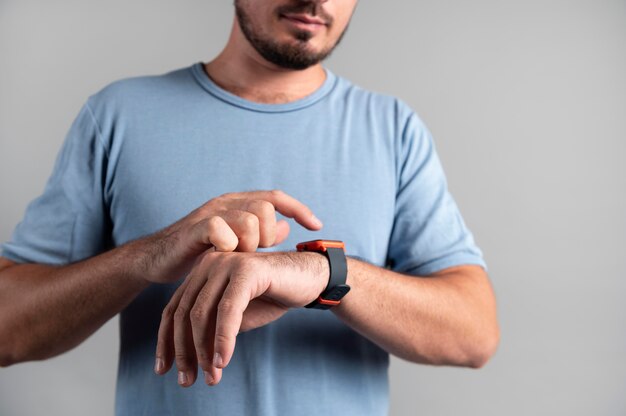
<point>294,34</point>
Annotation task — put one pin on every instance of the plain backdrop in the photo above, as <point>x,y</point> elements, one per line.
<point>527,103</point>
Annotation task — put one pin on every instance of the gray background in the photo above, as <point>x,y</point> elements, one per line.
<point>527,103</point>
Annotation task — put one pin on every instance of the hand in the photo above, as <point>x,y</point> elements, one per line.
<point>228,293</point>
<point>234,221</point>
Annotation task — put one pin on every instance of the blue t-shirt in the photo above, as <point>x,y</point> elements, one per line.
<point>144,152</point>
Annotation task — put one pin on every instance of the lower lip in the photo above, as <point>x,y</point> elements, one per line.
<point>302,25</point>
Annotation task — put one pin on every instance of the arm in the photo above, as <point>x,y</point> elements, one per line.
<point>46,310</point>
<point>447,318</point>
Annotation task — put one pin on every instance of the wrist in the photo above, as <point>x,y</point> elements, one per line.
<point>318,270</point>
<point>117,264</point>
<point>298,277</point>
<point>353,265</point>
<point>137,260</point>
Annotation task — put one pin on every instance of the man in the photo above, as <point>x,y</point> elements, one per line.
<point>149,212</point>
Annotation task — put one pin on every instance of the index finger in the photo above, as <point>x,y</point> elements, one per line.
<point>287,205</point>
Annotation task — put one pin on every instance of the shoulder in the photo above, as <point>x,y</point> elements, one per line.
<point>390,113</point>
<point>131,92</point>
<point>380,107</point>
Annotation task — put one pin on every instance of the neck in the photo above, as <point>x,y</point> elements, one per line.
<point>241,70</point>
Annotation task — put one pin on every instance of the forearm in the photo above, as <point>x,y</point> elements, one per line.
<point>47,310</point>
<point>449,318</point>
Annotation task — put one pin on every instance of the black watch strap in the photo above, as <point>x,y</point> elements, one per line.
<point>336,288</point>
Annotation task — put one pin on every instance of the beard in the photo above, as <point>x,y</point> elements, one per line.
<point>287,55</point>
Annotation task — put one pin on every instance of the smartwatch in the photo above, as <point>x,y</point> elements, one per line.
<point>336,288</point>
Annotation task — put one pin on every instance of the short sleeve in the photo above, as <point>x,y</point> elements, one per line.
<point>69,221</point>
<point>429,233</point>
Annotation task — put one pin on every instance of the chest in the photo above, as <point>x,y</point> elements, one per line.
<point>343,171</point>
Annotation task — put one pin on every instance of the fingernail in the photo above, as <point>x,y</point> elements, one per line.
<point>316,221</point>
<point>217,360</point>
<point>207,378</point>
<point>158,365</point>
<point>182,378</point>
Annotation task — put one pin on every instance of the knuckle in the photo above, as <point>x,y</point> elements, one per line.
<point>265,208</point>
<point>222,338</point>
<point>249,267</point>
<point>250,221</point>
<point>242,278</point>
<point>277,193</point>
<point>214,222</point>
<point>212,205</point>
<point>226,307</point>
<point>168,313</point>
<point>180,314</point>
<point>197,314</point>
